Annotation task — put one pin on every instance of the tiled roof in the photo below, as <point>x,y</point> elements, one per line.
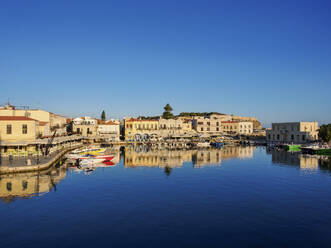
<point>15,118</point>
<point>110,123</point>
<point>133,119</point>
<point>43,123</point>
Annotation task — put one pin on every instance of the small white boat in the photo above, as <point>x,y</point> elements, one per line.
<point>91,161</point>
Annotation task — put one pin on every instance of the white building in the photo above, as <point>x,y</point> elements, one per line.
<point>109,130</point>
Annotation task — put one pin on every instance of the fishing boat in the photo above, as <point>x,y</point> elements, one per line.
<point>88,156</point>
<point>293,148</point>
<point>90,161</point>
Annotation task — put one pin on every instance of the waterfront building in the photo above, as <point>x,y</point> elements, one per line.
<point>109,130</point>
<point>187,126</point>
<point>256,124</point>
<point>17,128</point>
<point>236,127</point>
<point>17,135</point>
<point>85,126</point>
<point>137,129</point>
<point>43,129</point>
<point>293,132</point>
<point>207,125</point>
<point>174,127</point>
<point>54,120</point>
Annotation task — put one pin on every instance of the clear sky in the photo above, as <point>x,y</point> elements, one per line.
<point>269,59</point>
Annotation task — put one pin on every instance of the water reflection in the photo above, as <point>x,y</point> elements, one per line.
<point>143,157</point>
<point>304,161</point>
<point>26,185</point>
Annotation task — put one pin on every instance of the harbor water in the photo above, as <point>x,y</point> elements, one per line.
<point>235,196</point>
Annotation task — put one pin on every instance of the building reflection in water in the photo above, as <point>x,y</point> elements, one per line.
<point>304,161</point>
<point>142,157</point>
<point>26,185</point>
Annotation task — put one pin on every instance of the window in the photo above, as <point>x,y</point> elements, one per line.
<point>8,129</point>
<point>292,137</point>
<point>217,129</point>
<point>217,124</point>
<point>208,123</point>
<point>277,136</point>
<point>24,185</point>
<point>24,129</point>
<point>9,186</point>
<point>208,129</point>
<point>202,129</point>
<point>303,137</point>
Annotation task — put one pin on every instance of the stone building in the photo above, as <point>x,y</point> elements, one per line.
<point>207,125</point>
<point>293,132</point>
<point>237,127</point>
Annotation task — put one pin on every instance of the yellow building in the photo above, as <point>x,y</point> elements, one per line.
<point>54,120</point>
<point>43,129</point>
<point>17,128</point>
<point>17,135</point>
<point>136,129</point>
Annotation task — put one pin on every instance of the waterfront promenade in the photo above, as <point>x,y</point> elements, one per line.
<point>43,164</point>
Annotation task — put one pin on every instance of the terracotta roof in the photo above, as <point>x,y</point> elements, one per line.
<point>110,123</point>
<point>43,123</point>
<point>133,119</point>
<point>100,121</point>
<point>15,118</point>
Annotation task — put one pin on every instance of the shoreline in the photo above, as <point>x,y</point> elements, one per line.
<point>39,167</point>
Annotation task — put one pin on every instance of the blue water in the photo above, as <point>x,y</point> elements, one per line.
<point>266,199</point>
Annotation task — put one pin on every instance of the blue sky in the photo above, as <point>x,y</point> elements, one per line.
<point>269,59</point>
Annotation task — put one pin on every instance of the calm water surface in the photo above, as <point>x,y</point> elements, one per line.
<point>233,197</point>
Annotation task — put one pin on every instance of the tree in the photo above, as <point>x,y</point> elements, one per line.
<point>103,115</point>
<point>167,113</point>
<point>324,133</point>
